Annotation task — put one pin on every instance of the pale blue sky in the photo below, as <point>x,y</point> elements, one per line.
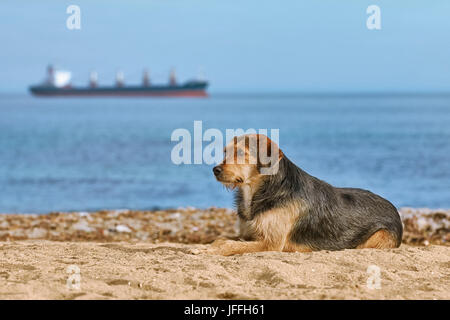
<point>242,46</point>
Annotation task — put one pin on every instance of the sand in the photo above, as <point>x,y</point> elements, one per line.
<point>126,254</point>
<point>39,269</point>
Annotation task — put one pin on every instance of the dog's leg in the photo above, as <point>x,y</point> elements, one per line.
<point>381,239</point>
<point>231,247</point>
<point>271,228</point>
<point>245,231</point>
<point>294,247</point>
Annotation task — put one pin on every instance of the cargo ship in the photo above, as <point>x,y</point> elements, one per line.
<point>58,83</point>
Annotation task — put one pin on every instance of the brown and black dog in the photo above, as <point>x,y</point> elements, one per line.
<point>286,209</point>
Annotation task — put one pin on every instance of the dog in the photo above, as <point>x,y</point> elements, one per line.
<point>283,208</point>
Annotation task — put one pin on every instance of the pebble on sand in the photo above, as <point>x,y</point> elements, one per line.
<point>182,225</point>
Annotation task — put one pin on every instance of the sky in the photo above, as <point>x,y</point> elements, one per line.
<point>239,46</point>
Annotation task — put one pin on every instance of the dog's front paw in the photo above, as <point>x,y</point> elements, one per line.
<point>223,247</point>
<point>213,248</point>
<point>219,242</point>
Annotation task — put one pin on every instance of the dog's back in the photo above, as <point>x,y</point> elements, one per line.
<point>340,218</point>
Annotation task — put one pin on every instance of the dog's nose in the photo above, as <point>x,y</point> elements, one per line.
<point>217,170</point>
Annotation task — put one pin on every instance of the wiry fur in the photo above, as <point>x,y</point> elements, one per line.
<point>334,218</point>
<point>294,211</point>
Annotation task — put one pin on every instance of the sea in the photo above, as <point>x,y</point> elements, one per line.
<point>85,154</point>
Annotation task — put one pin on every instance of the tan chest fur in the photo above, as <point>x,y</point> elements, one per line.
<point>273,226</point>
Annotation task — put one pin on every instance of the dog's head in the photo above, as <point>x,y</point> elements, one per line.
<point>246,159</point>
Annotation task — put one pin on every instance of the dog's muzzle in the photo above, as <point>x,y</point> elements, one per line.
<point>217,170</point>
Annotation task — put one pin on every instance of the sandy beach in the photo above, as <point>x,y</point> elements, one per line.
<point>41,269</point>
<point>126,254</point>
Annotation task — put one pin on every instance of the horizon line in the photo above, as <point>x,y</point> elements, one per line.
<point>289,94</point>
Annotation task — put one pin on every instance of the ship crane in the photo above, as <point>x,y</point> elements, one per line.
<point>93,79</point>
<point>146,78</point>
<point>172,79</point>
<point>50,75</point>
<point>119,79</point>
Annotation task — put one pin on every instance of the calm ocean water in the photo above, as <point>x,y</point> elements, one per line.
<point>87,154</point>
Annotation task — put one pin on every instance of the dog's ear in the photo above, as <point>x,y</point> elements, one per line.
<point>269,155</point>
<point>266,147</point>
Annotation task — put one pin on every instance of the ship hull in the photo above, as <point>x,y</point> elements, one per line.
<point>189,90</point>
